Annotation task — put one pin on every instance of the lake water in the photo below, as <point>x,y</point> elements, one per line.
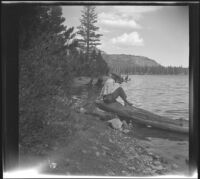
<point>166,95</point>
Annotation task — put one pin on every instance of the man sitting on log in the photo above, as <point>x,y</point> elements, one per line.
<point>112,90</point>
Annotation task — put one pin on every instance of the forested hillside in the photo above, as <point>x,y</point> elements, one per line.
<point>126,60</point>
<point>131,64</point>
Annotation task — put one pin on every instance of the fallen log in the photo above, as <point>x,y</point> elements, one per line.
<point>145,117</point>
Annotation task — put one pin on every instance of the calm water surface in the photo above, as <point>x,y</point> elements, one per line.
<point>166,95</point>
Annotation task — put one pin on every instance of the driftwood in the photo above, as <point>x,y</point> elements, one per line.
<point>145,117</point>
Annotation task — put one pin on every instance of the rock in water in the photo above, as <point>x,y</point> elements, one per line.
<point>115,123</point>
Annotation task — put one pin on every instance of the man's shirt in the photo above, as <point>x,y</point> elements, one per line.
<point>109,87</point>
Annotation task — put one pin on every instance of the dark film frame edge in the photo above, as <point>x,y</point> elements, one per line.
<point>10,78</point>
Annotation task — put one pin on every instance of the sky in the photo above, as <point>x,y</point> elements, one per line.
<point>157,32</point>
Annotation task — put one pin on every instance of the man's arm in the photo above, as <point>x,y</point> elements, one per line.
<point>103,91</point>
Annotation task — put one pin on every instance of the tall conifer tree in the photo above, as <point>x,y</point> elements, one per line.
<point>88,31</point>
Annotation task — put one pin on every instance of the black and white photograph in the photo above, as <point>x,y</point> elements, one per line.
<point>103,90</point>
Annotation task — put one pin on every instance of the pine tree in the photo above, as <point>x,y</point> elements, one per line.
<point>88,31</point>
<point>44,65</point>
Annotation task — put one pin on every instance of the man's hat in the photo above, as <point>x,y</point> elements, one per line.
<point>117,76</point>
